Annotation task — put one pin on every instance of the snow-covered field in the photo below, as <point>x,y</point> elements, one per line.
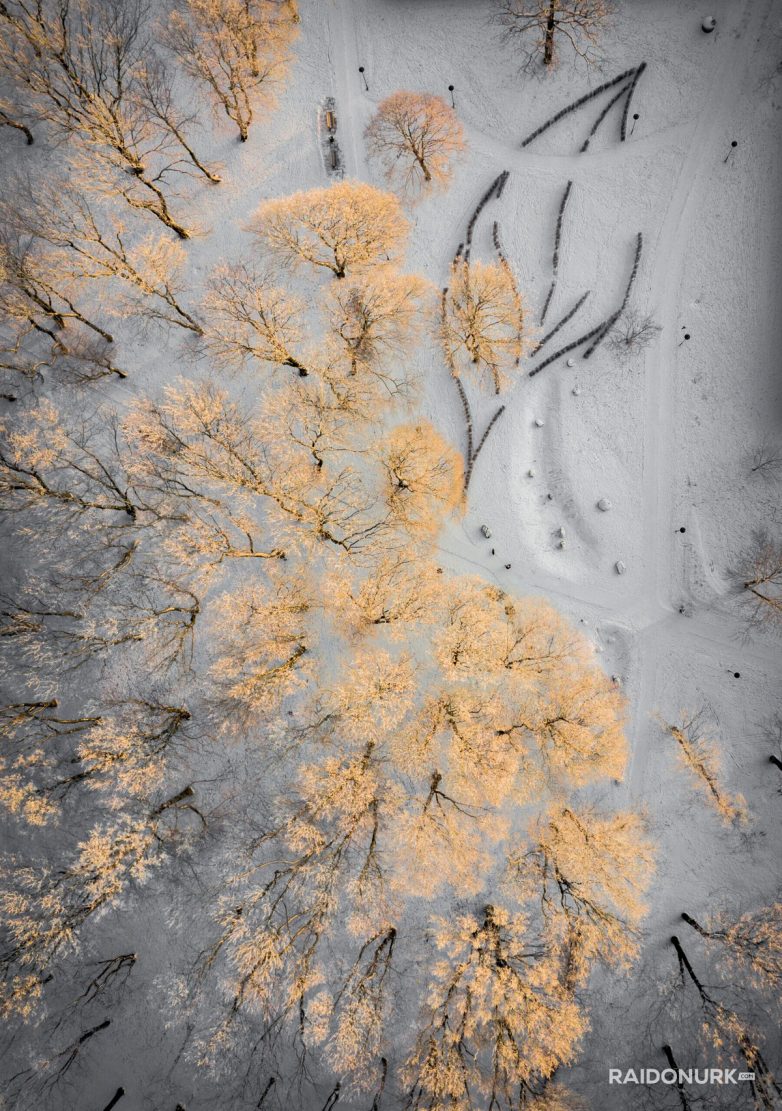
<point>665,433</point>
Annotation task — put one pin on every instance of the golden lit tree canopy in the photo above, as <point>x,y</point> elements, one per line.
<point>484,325</point>
<point>417,137</point>
<point>347,227</point>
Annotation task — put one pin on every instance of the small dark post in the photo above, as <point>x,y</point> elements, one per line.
<point>686,337</point>
<point>363,77</point>
<point>450,90</point>
<point>636,118</point>
<point>120,1092</point>
<point>732,151</point>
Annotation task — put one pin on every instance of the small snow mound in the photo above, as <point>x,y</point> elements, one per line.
<point>604,504</point>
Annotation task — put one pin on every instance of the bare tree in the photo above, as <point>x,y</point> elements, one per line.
<point>721,1025</point>
<point>758,577</point>
<point>632,333</point>
<point>272,930</point>
<point>423,477</point>
<point>83,244</point>
<point>44,908</point>
<point>199,445</point>
<point>65,1056</point>
<point>81,64</point>
<point>543,26</point>
<point>349,226</point>
<point>589,872</point>
<point>416,136</point>
<point>483,322</point>
<point>751,942</point>
<point>399,591</point>
<point>69,478</point>
<point>252,318</point>
<point>699,754</point>
<point>35,293</point>
<point>359,1011</point>
<point>263,657</point>
<point>77,359</point>
<point>71,467</point>
<point>238,48</point>
<point>766,460</point>
<point>377,317</point>
<point>38,737</point>
<point>156,94</point>
<point>77,1012</point>
<point>498,1023</point>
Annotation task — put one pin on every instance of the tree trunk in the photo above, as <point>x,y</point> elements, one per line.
<point>290,361</point>
<point>381,1086</point>
<point>684,962</point>
<point>85,1037</point>
<point>120,1092</point>
<point>109,338</point>
<point>422,163</point>
<point>333,1098</point>
<point>265,1092</point>
<point>551,23</point>
<point>776,761</point>
<point>683,1100</point>
<point>161,209</point>
<point>695,925</point>
<point>185,793</point>
<point>191,154</point>
<point>8,122</point>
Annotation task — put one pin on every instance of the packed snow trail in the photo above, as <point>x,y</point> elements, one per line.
<point>353,107</point>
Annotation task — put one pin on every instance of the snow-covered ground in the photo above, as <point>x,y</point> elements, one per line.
<point>664,434</point>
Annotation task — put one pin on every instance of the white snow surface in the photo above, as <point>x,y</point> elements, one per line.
<point>663,435</point>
